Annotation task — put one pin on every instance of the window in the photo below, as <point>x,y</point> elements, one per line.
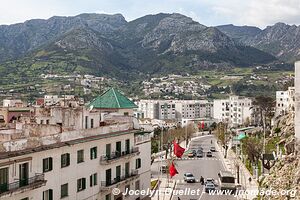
<point>107,197</point>
<point>126,114</point>
<point>80,184</point>
<point>48,195</point>
<point>80,156</point>
<point>47,121</point>
<point>86,122</point>
<point>64,190</point>
<point>93,179</point>
<point>65,160</point>
<point>137,185</point>
<point>93,153</point>
<point>4,179</point>
<point>138,163</point>
<point>47,164</point>
<point>25,198</point>
<point>92,123</point>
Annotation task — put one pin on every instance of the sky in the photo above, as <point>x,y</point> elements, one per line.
<point>260,13</point>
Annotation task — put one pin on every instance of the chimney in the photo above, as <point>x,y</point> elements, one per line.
<point>297,101</point>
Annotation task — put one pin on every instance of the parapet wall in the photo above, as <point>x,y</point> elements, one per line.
<point>34,141</point>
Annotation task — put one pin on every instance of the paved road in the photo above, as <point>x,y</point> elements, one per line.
<point>206,167</point>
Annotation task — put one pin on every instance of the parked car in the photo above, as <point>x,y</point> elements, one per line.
<point>209,186</point>
<point>189,177</point>
<point>192,154</point>
<point>200,148</point>
<point>199,154</point>
<point>209,154</point>
<point>213,149</point>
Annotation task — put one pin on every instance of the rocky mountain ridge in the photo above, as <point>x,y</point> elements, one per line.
<point>281,40</point>
<point>108,44</point>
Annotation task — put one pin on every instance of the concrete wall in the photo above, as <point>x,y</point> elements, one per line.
<point>297,100</point>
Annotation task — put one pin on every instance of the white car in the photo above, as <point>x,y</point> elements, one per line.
<point>209,186</point>
<point>210,180</point>
<point>189,178</point>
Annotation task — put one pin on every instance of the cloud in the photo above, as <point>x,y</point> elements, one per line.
<point>258,12</point>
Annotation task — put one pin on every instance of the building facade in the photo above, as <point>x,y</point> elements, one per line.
<point>235,110</point>
<point>175,109</point>
<point>285,101</point>
<point>70,153</point>
<point>297,103</point>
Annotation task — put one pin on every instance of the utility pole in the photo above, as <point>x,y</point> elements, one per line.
<point>186,134</point>
<point>264,142</point>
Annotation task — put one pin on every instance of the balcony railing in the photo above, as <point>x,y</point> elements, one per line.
<point>35,181</point>
<point>119,179</point>
<point>117,155</point>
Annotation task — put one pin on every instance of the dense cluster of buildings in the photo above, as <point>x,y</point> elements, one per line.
<point>235,110</point>
<point>73,151</point>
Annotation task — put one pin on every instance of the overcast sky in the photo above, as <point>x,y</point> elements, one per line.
<point>208,12</point>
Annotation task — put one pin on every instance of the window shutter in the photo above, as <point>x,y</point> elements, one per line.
<point>83,183</point>
<point>91,180</point>
<point>44,164</point>
<point>95,179</point>
<point>50,194</point>
<point>50,163</point>
<point>68,159</point>
<point>62,160</point>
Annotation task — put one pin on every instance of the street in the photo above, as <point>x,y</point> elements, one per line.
<point>208,167</point>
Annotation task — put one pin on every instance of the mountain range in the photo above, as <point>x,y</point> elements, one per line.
<point>103,44</point>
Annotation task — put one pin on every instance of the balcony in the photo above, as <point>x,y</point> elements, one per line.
<point>31,183</point>
<point>108,159</point>
<point>106,185</point>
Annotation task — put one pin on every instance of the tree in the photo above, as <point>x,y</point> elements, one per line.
<point>265,107</point>
<point>221,134</point>
<point>253,148</point>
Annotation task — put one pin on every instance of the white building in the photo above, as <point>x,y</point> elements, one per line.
<point>236,110</point>
<point>297,102</point>
<point>285,101</point>
<point>59,161</point>
<point>12,103</point>
<point>174,109</point>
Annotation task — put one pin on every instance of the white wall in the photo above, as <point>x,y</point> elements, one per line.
<point>297,100</point>
<point>70,174</point>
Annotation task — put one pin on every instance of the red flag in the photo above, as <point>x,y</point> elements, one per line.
<point>202,125</point>
<point>178,150</point>
<point>172,170</point>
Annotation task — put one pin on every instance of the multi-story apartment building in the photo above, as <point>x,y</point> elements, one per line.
<point>73,156</point>
<point>285,101</point>
<point>175,109</point>
<point>235,110</point>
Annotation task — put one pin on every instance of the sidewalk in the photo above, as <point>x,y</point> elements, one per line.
<point>164,189</point>
<point>230,164</point>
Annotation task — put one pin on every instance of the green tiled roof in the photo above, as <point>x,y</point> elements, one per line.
<point>112,99</point>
